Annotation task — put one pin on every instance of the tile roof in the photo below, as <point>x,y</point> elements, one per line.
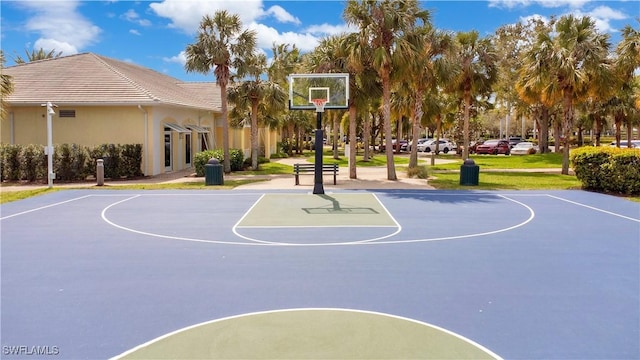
<point>90,79</point>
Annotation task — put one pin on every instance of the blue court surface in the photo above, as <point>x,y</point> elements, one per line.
<point>92,274</point>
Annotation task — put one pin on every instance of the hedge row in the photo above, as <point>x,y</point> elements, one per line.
<point>608,169</point>
<point>71,162</point>
<point>201,159</point>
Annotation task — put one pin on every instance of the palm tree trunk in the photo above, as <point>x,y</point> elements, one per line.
<point>352,141</point>
<point>226,162</point>
<point>543,130</point>
<point>336,129</point>
<point>465,129</point>
<point>386,117</point>
<point>254,134</point>
<point>366,135</point>
<point>567,127</point>
<point>415,129</point>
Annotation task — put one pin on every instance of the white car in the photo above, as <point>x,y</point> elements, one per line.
<point>623,144</point>
<point>524,148</point>
<point>420,141</point>
<point>430,146</point>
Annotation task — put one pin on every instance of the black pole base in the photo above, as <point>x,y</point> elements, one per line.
<point>318,189</point>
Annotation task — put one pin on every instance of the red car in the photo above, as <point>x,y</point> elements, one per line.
<point>494,147</point>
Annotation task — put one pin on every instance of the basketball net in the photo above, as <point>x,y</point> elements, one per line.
<point>319,103</point>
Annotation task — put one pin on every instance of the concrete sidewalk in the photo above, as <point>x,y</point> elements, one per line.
<point>367,178</point>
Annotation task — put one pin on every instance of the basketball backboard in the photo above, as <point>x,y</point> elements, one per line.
<point>304,88</point>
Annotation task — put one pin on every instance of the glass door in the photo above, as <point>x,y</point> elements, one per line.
<point>187,149</point>
<point>167,149</point>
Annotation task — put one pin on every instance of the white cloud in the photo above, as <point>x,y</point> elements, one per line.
<point>282,15</point>
<point>178,59</point>
<point>60,26</point>
<point>132,16</point>
<point>134,32</point>
<point>328,29</point>
<point>186,15</point>
<point>510,4</point>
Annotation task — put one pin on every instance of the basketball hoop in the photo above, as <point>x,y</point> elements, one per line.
<point>319,103</point>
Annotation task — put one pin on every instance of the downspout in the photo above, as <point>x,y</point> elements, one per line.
<point>144,141</point>
<point>11,129</point>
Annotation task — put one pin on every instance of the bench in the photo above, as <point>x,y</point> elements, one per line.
<point>302,169</point>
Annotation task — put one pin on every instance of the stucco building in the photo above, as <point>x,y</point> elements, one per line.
<point>102,100</point>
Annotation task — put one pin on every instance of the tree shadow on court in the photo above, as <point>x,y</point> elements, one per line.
<point>449,197</point>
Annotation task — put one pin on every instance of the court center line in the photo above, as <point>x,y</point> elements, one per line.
<point>594,208</point>
<point>44,207</point>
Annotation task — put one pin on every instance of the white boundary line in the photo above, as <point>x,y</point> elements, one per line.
<point>593,208</point>
<point>435,327</point>
<point>374,241</point>
<point>104,217</point>
<point>44,207</point>
<point>265,242</point>
<point>532,215</point>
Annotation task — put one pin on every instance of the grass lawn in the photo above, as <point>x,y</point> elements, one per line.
<point>442,176</point>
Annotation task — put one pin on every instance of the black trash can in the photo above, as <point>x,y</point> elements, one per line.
<point>213,173</point>
<point>469,173</point>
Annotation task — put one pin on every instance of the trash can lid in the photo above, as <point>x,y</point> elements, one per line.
<point>213,161</point>
<point>469,162</point>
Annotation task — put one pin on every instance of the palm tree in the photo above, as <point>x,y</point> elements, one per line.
<point>477,73</point>
<point>34,55</point>
<point>382,25</point>
<point>566,66</point>
<point>425,74</point>
<point>221,44</point>
<point>364,88</point>
<point>286,59</point>
<point>627,62</point>
<point>6,87</point>
<point>256,94</point>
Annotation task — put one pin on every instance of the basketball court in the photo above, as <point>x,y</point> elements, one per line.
<point>345,274</point>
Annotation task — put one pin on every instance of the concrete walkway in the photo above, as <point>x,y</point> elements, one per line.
<point>373,177</point>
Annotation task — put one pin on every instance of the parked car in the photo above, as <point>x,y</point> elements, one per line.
<point>494,147</point>
<point>524,148</point>
<point>472,147</point>
<point>624,144</point>
<point>444,145</point>
<point>515,140</point>
<point>397,146</point>
<point>410,144</point>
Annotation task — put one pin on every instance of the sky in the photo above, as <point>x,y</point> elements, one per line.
<point>154,34</point>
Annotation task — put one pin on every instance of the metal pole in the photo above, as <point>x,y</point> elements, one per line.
<point>318,188</point>
<point>50,174</point>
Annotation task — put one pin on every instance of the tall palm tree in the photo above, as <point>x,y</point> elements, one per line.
<point>221,44</point>
<point>36,55</point>
<point>363,88</point>
<point>286,60</point>
<point>567,65</point>
<point>382,24</point>
<point>6,87</point>
<point>476,74</point>
<point>428,70</point>
<point>257,95</point>
<point>626,64</point>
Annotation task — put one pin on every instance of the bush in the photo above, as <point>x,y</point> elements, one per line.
<point>608,169</point>
<point>33,163</point>
<point>201,159</point>
<point>10,162</point>
<point>70,161</point>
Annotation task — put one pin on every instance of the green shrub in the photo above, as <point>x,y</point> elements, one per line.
<point>131,159</point>
<point>200,159</point>
<point>10,159</point>
<point>608,169</point>
<point>33,163</point>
